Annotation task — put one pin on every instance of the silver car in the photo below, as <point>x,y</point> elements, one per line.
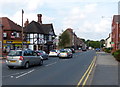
<point>65,53</point>
<point>26,58</point>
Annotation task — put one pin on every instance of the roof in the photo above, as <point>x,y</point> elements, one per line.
<point>9,24</point>
<point>116,18</point>
<point>47,28</point>
<point>35,27</point>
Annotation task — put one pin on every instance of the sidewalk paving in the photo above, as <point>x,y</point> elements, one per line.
<point>106,71</point>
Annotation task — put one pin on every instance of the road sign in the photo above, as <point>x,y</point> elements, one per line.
<point>111,42</point>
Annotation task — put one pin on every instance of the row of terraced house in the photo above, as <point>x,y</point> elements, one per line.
<point>113,41</point>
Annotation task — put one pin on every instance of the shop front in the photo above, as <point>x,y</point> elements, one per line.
<point>13,45</point>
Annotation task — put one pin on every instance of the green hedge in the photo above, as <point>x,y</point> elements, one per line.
<point>116,54</point>
<point>107,50</point>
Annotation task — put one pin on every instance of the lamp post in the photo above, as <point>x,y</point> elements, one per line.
<point>22,28</point>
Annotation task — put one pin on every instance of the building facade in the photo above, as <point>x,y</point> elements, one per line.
<point>108,41</point>
<point>75,42</point>
<point>40,36</point>
<point>11,35</point>
<point>116,32</point>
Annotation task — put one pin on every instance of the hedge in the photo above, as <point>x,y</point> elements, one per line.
<point>116,54</point>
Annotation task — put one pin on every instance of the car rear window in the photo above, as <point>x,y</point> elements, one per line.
<point>53,51</point>
<point>15,53</point>
<point>63,51</point>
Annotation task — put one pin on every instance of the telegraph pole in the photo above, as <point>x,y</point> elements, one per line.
<point>22,28</point>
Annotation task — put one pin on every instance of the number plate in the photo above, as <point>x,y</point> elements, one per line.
<point>12,61</point>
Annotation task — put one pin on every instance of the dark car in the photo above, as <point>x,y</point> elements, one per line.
<point>23,58</point>
<point>43,54</point>
<point>73,50</point>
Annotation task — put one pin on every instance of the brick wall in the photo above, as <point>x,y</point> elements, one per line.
<point>1,38</point>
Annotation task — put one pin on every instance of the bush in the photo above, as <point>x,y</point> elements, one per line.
<point>117,55</point>
<point>107,50</point>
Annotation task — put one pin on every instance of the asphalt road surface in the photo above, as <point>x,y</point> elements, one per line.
<point>54,71</point>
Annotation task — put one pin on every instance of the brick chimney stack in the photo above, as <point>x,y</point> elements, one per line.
<point>26,23</point>
<point>39,18</point>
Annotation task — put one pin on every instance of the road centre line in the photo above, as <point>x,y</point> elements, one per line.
<point>87,71</point>
<point>51,64</point>
<point>25,73</point>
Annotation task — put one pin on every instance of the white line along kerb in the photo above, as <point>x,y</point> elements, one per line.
<point>25,74</point>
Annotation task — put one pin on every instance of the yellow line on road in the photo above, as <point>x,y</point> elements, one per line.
<point>87,71</point>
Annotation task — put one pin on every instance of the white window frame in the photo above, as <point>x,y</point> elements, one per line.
<point>4,34</point>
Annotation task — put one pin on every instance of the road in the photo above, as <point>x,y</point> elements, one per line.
<point>54,71</point>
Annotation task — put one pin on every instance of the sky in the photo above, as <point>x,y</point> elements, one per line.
<point>89,19</point>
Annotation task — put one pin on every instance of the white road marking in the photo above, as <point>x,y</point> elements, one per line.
<point>25,73</point>
<point>51,64</point>
<point>13,74</point>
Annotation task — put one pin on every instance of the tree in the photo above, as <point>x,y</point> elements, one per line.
<point>64,39</point>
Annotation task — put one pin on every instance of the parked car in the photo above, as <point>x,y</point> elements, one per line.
<point>43,54</point>
<point>73,50</point>
<point>97,49</point>
<point>54,53</point>
<point>65,53</point>
<point>26,58</point>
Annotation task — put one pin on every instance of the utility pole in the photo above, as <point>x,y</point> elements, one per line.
<point>22,28</point>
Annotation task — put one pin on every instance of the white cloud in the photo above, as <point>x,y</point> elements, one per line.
<point>103,26</point>
<point>34,4</point>
<point>90,8</point>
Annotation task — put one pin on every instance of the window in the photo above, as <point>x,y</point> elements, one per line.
<point>34,54</point>
<point>31,35</point>
<point>35,36</point>
<point>17,35</point>
<point>4,34</point>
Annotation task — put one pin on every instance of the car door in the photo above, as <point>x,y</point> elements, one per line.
<point>45,55</point>
<point>36,58</point>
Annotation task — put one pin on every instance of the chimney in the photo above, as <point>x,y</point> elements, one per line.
<point>39,18</point>
<point>26,23</point>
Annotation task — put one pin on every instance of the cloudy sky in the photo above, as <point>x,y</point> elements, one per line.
<point>90,19</point>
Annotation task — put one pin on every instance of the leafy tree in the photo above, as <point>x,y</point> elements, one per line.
<point>64,39</point>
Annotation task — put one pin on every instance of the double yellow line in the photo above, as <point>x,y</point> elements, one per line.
<point>86,75</point>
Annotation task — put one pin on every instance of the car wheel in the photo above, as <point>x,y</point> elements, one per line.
<point>10,67</point>
<point>26,65</point>
<point>41,62</point>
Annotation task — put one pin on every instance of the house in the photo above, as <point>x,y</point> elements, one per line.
<point>75,42</point>
<point>116,32</point>
<point>108,41</point>
<point>11,35</point>
<point>39,35</point>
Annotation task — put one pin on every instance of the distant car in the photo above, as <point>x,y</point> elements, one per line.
<point>97,49</point>
<point>84,49</point>
<point>26,58</point>
<point>65,53</point>
<point>73,50</point>
<point>43,54</point>
<point>54,53</point>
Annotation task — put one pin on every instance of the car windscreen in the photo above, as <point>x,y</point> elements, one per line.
<point>15,53</point>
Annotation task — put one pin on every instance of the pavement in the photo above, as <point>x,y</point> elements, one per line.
<point>106,71</point>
